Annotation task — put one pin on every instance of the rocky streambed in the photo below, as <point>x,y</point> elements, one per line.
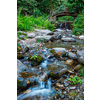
<point>50,65</point>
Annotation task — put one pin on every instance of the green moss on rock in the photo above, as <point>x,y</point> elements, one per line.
<point>20,56</point>
<point>52,51</point>
<point>53,75</point>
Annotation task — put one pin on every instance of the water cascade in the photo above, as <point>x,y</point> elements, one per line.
<point>43,89</point>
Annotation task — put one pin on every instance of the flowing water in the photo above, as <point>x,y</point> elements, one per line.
<point>44,88</point>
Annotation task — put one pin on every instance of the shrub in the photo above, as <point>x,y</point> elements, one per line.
<point>78,25</point>
<point>75,80</point>
<point>82,72</point>
<point>28,23</point>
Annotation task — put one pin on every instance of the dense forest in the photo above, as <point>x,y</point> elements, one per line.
<point>34,14</point>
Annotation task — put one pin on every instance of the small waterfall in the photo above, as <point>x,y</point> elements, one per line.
<point>65,24</point>
<point>42,84</point>
<point>61,25</point>
<point>42,90</point>
<point>49,84</point>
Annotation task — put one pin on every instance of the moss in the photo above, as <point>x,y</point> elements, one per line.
<point>39,59</point>
<point>73,94</point>
<point>18,49</point>
<point>53,75</point>
<point>19,84</point>
<point>29,58</point>
<point>20,56</point>
<point>52,51</point>
<point>58,96</point>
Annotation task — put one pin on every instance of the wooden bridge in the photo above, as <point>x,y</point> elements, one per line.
<point>59,12</point>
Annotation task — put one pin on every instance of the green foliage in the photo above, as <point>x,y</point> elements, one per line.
<point>47,5</point>
<point>65,18</point>
<point>25,7</point>
<point>75,80</point>
<point>78,25</point>
<point>28,23</point>
<point>39,58</point>
<point>82,72</point>
<point>33,57</point>
<point>36,58</point>
<point>75,6</point>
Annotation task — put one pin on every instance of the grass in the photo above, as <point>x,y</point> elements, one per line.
<point>66,18</point>
<point>29,23</point>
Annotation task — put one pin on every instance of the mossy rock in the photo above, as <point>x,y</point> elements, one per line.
<point>53,75</point>
<point>58,96</point>
<point>29,58</point>
<point>52,51</point>
<point>20,56</point>
<point>19,83</point>
<point>39,59</point>
<point>18,49</point>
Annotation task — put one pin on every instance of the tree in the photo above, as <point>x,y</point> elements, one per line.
<point>26,6</point>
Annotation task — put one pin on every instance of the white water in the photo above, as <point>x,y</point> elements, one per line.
<point>41,90</point>
<point>60,25</point>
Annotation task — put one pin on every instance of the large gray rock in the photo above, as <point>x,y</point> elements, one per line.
<point>44,38</point>
<point>20,67</point>
<point>80,56</point>
<point>72,55</point>
<point>59,50</point>
<point>46,31</point>
<point>68,39</point>
<point>31,35</point>
<point>59,30</point>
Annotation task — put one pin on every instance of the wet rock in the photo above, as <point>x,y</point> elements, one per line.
<point>78,67</point>
<point>59,85</point>
<point>70,61</point>
<point>68,39</point>
<point>59,30</point>
<point>20,67</point>
<point>72,55</point>
<point>44,77</point>
<point>59,36</point>
<point>25,49</point>
<point>31,35</point>
<point>80,56</point>
<point>63,71</point>
<point>70,71</point>
<point>72,88</point>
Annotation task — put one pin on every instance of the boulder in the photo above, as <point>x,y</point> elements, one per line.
<point>31,35</point>
<point>58,51</point>
<point>80,56</point>
<point>20,67</point>
<point>44,38</point>
<point>68,39</point>
<point>78,67</point>
<point>46,31</point>
<point>72,55</point>
<point>69,61</point>
<point>59,30</point>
